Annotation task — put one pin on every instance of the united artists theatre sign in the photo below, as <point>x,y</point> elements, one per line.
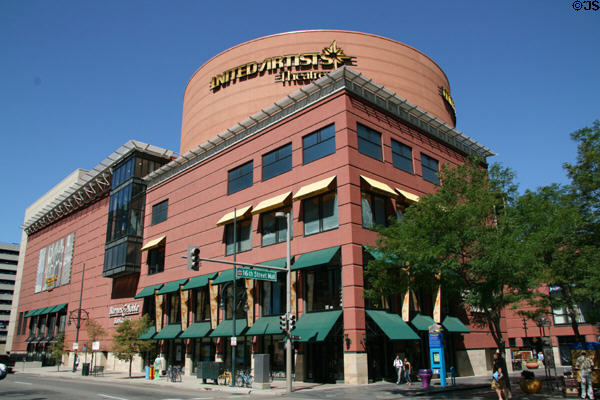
<point>290,68</point>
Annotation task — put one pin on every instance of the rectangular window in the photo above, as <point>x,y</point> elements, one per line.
<point>323,288</point>
<point>318,144</point>
<point>20,326</point>
<point>240,178</point>
<point>243,237</point>
<point>272,299</point>
<point>430,169</point>
<point>174,308</point>
<point>156,260</point>
<point>202,304</point>
<point>273,229</point>
<point>159,212</point>
<point>320,213</point>
<point>402,156</point>
<point>374,210</point>
<point>369,142</point>
<point>277,162</point>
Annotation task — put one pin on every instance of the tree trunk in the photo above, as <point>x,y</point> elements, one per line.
<point>575,325</point>
<point>130,362</point>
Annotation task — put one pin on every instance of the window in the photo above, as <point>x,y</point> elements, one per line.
<point>402,156</point>
<point>369,142</point>
<point>174,308</point>
<point>323,288</point>
<point>374,210</point>
<point>277,162</point>
<point>149,308</point>
<point>273,295</point>
<point>156,259</point>
<point>201,304</point>
<point>318,144</point>
<point>320,213</point>
<point>430,169</point>
<point>240,178</point>
<point>273,229</point>
<point>243,237</point>
<point>240,294</point>
<point>159,212</point>
<point>561,313</point>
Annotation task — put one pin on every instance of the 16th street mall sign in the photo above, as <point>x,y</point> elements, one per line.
<point>261,274</point>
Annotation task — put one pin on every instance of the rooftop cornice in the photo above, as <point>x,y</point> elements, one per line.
<point>343,78</point>
<point>91,186</point>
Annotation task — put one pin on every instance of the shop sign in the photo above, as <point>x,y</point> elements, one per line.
<point>126,309</point>
<point>301,67</point>
<point>448,99</point>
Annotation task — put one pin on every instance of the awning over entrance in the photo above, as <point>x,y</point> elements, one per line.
<point>196,330</point>
<point>313,258</point>
<point>392,325</point>
<point>265,326</point>
<point>148,291</point>
<point>169,332</point>
<point>378,187</point>
<point>454,325</point>
<point>422,322</point>
<point>153,243</point>
<point>147,335</point>
<point>240,213</point>
<point>272,203</point>
<point>198,281</point>
<point>224,277</point>
<point>172,286</point>
<point>314,327</point>
<point>225,328</point>
<point>316,188</point>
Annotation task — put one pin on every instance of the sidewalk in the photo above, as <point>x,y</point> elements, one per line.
<point>278,387</point>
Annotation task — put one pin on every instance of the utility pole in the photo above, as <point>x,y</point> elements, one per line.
<point>288,304</point>
<point>78,316</point>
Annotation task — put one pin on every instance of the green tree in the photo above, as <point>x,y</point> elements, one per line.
<point>126,340</point>
<point>57,350</point>
<point>463,233</point>
<point>95,332</point>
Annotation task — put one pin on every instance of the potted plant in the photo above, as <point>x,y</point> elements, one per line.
<point>529,383</point>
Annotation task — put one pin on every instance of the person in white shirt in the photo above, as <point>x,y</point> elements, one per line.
<point>398,366</point>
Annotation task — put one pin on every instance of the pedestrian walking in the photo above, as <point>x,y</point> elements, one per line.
<point>407,366</point>
<point>585,365</point>
<point>398,366</point>
<point>499,378</point>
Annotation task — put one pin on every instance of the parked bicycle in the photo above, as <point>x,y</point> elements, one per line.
<point>225,378</point>
<point>174,374</point>
<point>244,379</point>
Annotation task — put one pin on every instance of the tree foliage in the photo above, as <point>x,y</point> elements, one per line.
<point>127,342</point>
<point>464,233</point>
<point>57,350</point>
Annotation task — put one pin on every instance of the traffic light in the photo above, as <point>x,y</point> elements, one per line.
<point>283,322</point>
<point>193,258</point>
<point>291,322</point>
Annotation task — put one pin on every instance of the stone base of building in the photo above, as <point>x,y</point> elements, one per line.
<point>355,369</point>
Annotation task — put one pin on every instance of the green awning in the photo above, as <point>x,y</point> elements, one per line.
<point>148,333</point>
<point>224,277</point>
<point>196,330</point>
<point>198,281</point>
<point>265,326</point>
<point>59,307</point>
<point>392,325</point>
<point>454,325</point>
<point>225,328</point>
<point>279,262</point>
<point>422,322</point>
<point>378,255</point>
<point>172,286</point>
<point>32,313</point>
<point>44,311</point>
<point>147,291</point>
<point>169,332</point>
<point>314,327</point>
<point>314,258</point>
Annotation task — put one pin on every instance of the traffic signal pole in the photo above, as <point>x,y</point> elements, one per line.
<point>288,308</point>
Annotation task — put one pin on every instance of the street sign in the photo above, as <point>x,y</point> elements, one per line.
<point>261,274</point>
<point>95,346</point>
<point>75,346</point>
<point>233,341</point>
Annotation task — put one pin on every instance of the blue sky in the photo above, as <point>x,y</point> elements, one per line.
<point>79,78</point>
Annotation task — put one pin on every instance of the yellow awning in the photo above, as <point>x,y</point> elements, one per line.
<point>411,198</point>
<point>272,203</point>
<point>153,243</point>
<point>240,213</point>
<point>379,187</point>
<point>314,189</point>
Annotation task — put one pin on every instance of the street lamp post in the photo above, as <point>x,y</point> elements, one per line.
<point>79,317</point>
<point>288,305</point>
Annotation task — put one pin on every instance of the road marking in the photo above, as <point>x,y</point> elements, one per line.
<point>24,383</point>
<point>111,397</point>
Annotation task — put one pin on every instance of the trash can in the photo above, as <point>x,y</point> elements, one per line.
<point>425,375</point>
<point>85,369</point>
